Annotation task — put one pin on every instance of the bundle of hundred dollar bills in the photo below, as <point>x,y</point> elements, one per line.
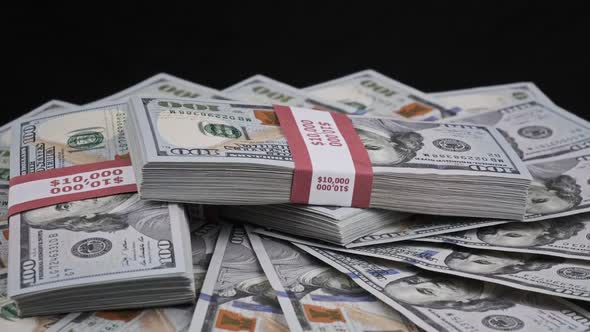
<point>467,210</point>
<point>224,152</point>
<point>103,252</point>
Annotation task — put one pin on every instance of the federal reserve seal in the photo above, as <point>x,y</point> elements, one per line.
<point>451,144</point>
<point>535,132</point>
<point>502,323</point>
<point>92,247</point>
<point>578,273</point>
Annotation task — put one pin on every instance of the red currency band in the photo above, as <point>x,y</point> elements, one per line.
<point>303,175</point>
<point>113,177</point>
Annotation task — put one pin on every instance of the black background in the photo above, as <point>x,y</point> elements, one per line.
<point>93,52</point>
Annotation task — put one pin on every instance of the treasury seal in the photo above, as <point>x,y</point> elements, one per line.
<point>502,323</point>
<point>577,273</point>
<point>92,247</point>
<point>535,132</point>
<point>451,144</point>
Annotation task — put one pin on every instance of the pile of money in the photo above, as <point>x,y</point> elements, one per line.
<point>207,238</point>
<point>224,152</point>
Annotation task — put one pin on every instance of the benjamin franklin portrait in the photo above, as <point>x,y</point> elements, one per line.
<point>440,291</point>
<point>553,195</point>
<point>531,234</point>
<point>389,143</point>
<point>106,214</point>
<point>497,262</point>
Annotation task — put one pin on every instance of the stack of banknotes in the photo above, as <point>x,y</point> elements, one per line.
<point>437,251</point>
<point>226,152</point>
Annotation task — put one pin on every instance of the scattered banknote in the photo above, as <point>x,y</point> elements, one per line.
<point>562,237</point>
<point>465,163</point>
<point>166,85</point>
<point>97,321</point>
<point>472,101</point>
<point>316,297</point>
<point>47,108</point>
<point>171,319</point>
<point>536,130</point>
<point>262,89</point>
<point>202,245</point>
<point>374,94</point>
<point>560,187</point>
<point>445,303</point>
<point>92,246</point>
<point>236,294</point>
<point>550,275</point>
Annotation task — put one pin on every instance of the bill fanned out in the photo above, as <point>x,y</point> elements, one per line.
<point>317,297</point>
<point>262,89</point>
<point>166,85</point>
<point>183,151</point>
<point>489,98</point>
<point>562,237</point>
<point>374,94</point>
<point>536,273</point>
<point>236,293</point>
<point>443,303</point>
<point>118,251</point>
<point>535,130</point>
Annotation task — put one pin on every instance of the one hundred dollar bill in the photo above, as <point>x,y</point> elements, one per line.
<point>472,101</point>
<point>202,245</point>
<point>47,108</point>
<point>92,241</point>
<point>444,303</point>
<point>562,237</point>
<point>166,85</point>
<point>317,297</point>
<point>166,123</point>
<point>262,89</point>
<point>536,131</point>
<point>374,94</point>
<point>236,293</point>
<point>550,275</point>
